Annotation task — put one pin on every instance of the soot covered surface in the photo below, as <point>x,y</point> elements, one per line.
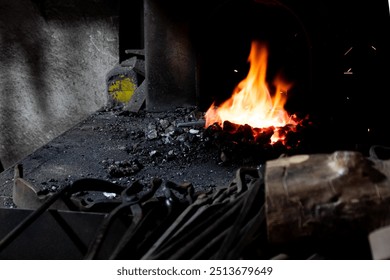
<point>122,147</point>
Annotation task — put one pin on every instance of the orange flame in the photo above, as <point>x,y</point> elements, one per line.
<point>251,102</point>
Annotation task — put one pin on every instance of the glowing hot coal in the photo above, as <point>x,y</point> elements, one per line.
<point>252,102</point>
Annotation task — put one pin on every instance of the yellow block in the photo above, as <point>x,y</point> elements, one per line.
<point>122,89</point>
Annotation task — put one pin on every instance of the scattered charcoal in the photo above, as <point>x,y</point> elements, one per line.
<point>170,130</point>
<point>154,154</point>
<point>178,131</point>
<point>182,138</point>
<point>164,123</point>
<point>192,138</point>
<point>170,155</point>
<point>137,134</point>
<point>124,168</point>
<point>151,132</point>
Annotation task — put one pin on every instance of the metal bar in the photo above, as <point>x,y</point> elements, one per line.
<point>176,225</point>
<point>69,231</point>
<point>133,238</point>
<point>214,222</point>
<point>199,123</point>
<point>131,203</point>
<point>235,234</point>
<point>211,247</point>
<point>101,234</point>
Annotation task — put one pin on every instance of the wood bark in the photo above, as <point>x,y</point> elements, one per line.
<point>326,195</point>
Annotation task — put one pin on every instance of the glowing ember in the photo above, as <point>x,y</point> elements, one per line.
<point>251,102</point>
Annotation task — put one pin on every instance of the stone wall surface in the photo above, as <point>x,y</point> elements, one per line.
<point>54,56</point>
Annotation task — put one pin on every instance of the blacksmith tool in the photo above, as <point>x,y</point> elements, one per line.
<point>158,215</point>
<point>131,205</point>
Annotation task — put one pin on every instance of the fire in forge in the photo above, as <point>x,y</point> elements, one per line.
<point>254,102</point>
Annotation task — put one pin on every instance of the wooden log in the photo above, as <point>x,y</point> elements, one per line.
<point>326,195</point>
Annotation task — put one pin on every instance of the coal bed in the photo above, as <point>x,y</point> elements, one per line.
<point>123,147</point>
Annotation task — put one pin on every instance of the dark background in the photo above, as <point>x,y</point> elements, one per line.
<point>308,42</point>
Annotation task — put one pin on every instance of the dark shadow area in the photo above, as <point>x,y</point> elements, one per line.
<point>131,33</point>
<point>223,38</point>
<point>335,53</point>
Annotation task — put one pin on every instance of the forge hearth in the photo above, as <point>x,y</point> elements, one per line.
<point>123,147</point>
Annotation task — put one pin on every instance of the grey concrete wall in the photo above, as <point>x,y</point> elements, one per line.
<point>54,56</point>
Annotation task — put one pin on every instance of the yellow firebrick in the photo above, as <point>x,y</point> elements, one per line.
<point>122,89</point>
